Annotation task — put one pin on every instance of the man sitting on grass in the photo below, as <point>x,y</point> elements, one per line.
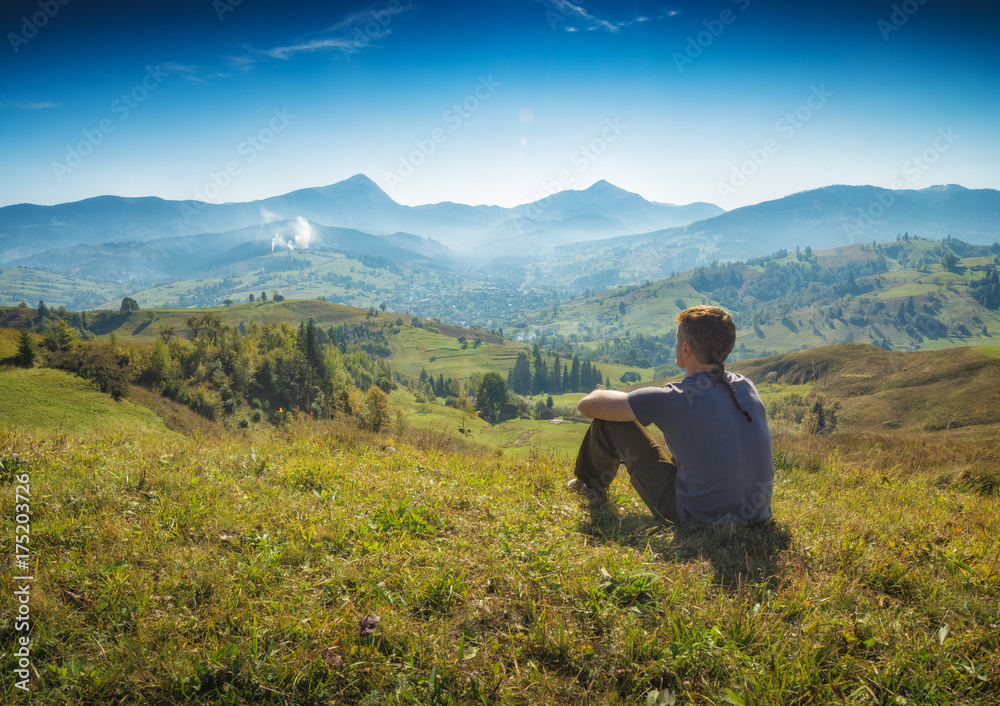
<point>714,425</point>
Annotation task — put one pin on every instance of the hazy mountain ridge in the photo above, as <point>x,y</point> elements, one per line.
<point>356,203</point>
<point>829,217</point>
<point>186,256</point>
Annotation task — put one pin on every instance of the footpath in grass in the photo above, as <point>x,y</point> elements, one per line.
<point>322,565</point>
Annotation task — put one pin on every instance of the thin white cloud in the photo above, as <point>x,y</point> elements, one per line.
<point>192,72</point>
<point>28,105</point>
<point>348,45</point>
<point>350,35</point>
<point>240,63</point>
<point>576,17</point>
<point>572,11</point>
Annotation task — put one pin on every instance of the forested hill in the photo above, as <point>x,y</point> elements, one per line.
<point>912,294</point>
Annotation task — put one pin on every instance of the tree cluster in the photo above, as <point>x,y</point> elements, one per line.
<point>532,377</point>
<point>986,291</point>
<point>254,370</point>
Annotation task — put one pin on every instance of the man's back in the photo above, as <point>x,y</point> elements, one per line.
<point>725,467</point>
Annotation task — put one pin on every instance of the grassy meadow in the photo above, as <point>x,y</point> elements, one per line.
<point>209,566</point>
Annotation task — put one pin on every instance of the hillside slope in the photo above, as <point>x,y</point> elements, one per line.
<point>898,295</point>
<point>55,400</point>
<point>889,391</point>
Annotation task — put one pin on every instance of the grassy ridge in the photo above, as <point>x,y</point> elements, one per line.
<point>47,399</point>
<point>883,391</point>
<point>237,571</point>
<point>144,325</point>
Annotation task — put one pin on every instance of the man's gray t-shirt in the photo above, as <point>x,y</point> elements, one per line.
<point>725,471</point>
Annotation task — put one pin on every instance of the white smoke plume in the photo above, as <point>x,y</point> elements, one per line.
<point>298,234</point>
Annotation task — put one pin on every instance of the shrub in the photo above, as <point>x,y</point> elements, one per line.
<point>98,364</point>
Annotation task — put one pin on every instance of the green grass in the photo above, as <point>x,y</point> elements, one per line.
<point>143,326</point>
<point>416,349</point>
<point>518,438</point>
<point>47,399</point>
<point>887,391</point>
<point>238,571</point>
<point>237,568</point>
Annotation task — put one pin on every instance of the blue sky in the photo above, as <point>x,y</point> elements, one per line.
<point>495,101</point>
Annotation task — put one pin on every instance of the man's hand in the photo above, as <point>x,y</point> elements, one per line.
<point>610,405</point>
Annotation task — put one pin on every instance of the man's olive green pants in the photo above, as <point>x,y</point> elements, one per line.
<point>651,470</point>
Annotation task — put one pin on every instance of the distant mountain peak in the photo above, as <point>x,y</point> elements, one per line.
<point>355,185</point>
<point>604,186</point>
<point>360,180</point>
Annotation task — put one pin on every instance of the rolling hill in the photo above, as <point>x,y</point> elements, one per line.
<point>896,295</point>
<point>891,391</point>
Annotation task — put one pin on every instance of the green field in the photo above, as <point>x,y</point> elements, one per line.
<point>54,400</point>
<point>246,569</point>
<point>209,566</point>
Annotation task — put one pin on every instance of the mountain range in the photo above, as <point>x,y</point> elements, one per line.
<point>356,203</point>
<point>602,236</point>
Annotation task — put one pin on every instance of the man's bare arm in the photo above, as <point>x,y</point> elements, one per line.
<point>610,405</point>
